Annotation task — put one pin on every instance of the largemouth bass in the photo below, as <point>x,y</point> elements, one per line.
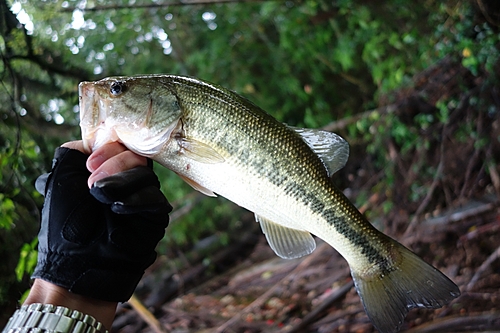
<point>221,143</point>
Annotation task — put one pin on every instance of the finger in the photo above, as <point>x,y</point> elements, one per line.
<point>104,153</point>
<point>123,161</point>
<point>78,145</point>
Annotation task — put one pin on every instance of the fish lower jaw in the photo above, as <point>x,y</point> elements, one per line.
<point>98,138</point>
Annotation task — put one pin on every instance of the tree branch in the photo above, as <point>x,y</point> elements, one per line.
<point>157,5</point>
<point>9,22</point>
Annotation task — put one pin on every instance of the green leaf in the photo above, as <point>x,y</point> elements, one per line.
<point>27,259</point>
<point>7,210</point>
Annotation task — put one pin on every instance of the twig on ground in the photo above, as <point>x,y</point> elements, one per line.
<point>262,298</point>
<point>311,316</point>
<point>428,197</point>
<point>475,323</point>
<point>478,231</point>
<point>494,176</point>
<point>146,315</point>
<point>484,266</point>
<point>461,214</point>
<point>470,166</point>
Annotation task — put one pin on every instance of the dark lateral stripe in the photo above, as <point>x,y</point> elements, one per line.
<point>343,224</point>
<point>224,111</point>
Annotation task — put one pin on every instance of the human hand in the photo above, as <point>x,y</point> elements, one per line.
<point>98,242</point>
<point>108,160</point>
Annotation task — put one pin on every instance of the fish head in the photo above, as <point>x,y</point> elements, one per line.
<point>140,112</point>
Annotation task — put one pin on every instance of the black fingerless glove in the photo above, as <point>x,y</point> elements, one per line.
<point>98,242</point>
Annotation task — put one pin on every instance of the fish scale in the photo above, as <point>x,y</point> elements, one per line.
<point>279,138</point>
<point>219,142</point>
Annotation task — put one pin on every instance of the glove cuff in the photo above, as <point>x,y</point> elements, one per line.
<point>112,284</point>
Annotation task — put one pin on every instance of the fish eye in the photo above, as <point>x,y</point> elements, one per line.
<point>117,88</point>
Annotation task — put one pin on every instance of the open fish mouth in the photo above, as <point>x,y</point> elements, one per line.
<point>88,114</point>
<point>94,111</point>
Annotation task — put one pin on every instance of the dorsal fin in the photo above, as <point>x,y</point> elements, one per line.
<point>332,149</point>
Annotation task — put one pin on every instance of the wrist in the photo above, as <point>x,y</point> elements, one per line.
<point>47,293</point>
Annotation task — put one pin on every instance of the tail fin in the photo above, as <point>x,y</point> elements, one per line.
<point>387,297</point>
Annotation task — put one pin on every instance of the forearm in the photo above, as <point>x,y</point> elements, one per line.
<point>48,293</point>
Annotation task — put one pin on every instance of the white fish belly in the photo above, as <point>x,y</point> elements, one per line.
<point>250,191</point>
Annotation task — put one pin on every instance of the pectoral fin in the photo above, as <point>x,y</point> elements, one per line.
<point>197,186</point>
<point>330,147</point>
<point>287,243</point>
<point>199,151</point>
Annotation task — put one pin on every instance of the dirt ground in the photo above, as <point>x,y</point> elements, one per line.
<point>454,225</point>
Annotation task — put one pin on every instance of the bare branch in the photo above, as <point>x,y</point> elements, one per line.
<point>311,316</point>
<point>9,22</point>
<point>484,266</point>
<point>158,5</point>
<point>344,122</point>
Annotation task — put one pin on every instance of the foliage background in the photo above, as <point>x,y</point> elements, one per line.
<point>308,63</point>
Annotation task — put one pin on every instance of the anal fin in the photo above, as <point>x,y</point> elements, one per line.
<point>286,242</point>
